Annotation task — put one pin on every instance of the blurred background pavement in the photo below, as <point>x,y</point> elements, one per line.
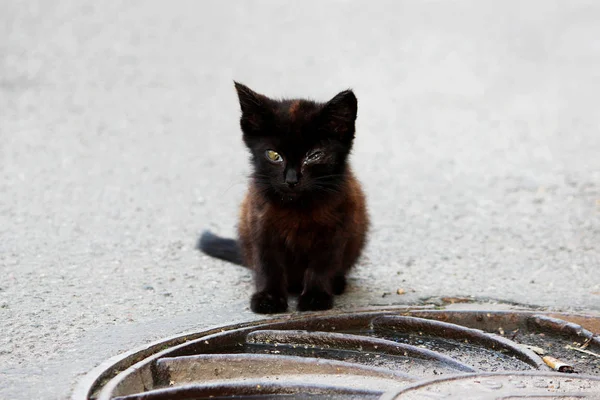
<point>478,144</point>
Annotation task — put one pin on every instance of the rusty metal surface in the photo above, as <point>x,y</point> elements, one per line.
<point>386,351</point>
<point>254,390</point>
<point>462,342</point>
<point>362,355</point>
<point>272,368</point>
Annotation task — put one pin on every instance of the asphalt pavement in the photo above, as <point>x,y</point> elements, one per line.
<point>478,144</point>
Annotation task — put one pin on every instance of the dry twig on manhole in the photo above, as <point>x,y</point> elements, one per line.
<point>591,353</point>
<point>587,342</point>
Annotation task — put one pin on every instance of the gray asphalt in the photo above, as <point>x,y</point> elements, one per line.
<point>478,145</point>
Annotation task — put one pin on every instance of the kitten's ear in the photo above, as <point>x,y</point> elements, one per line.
<point>250,101</point>
<point>339,115</point>
<point>254,107</point>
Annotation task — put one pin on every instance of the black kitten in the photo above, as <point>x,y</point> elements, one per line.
<point>303,223</point>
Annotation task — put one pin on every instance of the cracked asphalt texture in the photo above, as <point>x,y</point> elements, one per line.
<point>478,145</point>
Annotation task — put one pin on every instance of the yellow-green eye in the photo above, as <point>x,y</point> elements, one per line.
<point>273,156</point>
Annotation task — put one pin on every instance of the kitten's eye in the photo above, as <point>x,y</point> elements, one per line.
<point>273,156</point>
<point>312,157</point>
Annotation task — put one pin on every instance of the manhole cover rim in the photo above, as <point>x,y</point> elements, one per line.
<point>107,370</point>
<point>99,379</point>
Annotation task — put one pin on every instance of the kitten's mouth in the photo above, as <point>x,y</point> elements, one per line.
<point>289,195</point>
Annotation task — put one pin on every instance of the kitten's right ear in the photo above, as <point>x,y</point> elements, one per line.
<point>254,107</point>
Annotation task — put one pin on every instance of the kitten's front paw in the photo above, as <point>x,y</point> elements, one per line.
<point>315,301</point>
<point>268,303</point>
<point>338,284</point>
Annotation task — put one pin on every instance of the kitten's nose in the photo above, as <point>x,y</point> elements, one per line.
<point>291,177</point>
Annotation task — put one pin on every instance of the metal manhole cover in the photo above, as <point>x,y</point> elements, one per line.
<point>399,354</point>
<point>502,386</point>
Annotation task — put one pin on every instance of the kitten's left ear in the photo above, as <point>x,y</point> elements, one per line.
<point>254,107</point>
<point>339,115</point>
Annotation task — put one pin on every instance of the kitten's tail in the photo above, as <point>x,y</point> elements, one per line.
<point>218,247</point>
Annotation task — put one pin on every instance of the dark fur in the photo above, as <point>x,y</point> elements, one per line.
<point>302,225</point>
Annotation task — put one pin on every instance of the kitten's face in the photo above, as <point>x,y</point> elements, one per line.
<point>299,147</point>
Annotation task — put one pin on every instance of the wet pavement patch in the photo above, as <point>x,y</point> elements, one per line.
<point>392,354</point>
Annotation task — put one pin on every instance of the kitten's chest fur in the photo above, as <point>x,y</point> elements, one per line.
<point>301,230</point>
<point>338,225</point>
